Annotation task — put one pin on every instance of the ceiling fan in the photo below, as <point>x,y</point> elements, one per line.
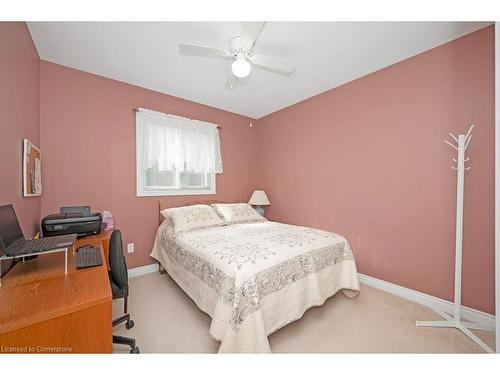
<point>242,53</point>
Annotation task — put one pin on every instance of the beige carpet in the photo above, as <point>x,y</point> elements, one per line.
<point>167,321</point>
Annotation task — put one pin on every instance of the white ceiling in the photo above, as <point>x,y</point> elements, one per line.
<point>325,55</point>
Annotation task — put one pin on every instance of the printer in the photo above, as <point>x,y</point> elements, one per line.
<point>72,219</point>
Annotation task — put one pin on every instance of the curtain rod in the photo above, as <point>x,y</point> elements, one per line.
<point>137,110</point>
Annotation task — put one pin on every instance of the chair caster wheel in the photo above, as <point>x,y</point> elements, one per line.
<point>135,350</point>
<point>129,324</point>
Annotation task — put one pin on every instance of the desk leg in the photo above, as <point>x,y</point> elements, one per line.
<point>66,261</point>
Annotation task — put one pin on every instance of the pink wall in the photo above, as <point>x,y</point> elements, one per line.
<point>20,115</point>
<point>88,125</point>
<point>367,160</point>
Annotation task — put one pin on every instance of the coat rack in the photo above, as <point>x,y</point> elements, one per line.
<point>455,320</point>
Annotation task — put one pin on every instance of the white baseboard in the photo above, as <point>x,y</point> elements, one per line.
<point>432,302</point>
<point>143,270</point>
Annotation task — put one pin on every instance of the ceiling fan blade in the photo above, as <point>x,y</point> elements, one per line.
<point>194,50</point>
<point>251,31</point>
<point>273,63</point>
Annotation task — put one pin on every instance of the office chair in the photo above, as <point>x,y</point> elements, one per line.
<point>118,278</point>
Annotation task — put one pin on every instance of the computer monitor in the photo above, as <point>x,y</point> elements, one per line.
<point>10,231</point>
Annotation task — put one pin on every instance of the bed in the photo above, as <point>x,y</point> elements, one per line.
<point>254,277</point>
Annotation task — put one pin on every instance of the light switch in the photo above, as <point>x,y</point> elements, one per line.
<point>130,248</point>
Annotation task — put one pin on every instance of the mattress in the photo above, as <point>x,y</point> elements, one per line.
<point>254,278</point>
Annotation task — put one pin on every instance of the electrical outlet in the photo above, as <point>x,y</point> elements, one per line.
<point>130,248</point>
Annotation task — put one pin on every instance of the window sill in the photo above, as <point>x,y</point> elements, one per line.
<point>175,192</point>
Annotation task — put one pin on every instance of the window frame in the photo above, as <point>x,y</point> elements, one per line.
<point>140,176</point>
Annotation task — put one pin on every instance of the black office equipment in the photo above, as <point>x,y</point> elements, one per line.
<point>14,244</point>
<point>84,210</point>
<point>72,219</point>
<point>118,278</point>
<point>10,231</point>
<point>88,256</point>
<point>8,235</point>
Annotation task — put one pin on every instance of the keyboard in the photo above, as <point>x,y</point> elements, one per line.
<point>88,256</point>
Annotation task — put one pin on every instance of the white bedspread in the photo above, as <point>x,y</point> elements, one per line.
<point>254,278</point>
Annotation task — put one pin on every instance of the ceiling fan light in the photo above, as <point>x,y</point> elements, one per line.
<point>241,68</point>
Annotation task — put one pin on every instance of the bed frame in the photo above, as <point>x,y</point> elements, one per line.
<point>162,206</point>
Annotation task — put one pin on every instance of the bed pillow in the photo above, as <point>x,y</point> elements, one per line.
<point>238,212</point>
<point>168,224</point>
<point>186,218</point>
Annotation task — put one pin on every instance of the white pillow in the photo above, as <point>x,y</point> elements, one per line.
<point>238,212</point>
<point>192,217</point>
<point>168,224</point>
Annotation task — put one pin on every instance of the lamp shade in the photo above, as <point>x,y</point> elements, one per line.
<point>259,198</point>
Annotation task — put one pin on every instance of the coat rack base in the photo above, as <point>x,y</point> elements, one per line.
<point>461,325</point>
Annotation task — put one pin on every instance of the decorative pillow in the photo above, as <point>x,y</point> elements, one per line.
<point>238,212</point>
<point>168,224</point>
<point>192,217</point>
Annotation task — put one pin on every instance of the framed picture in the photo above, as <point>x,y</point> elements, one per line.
<point>32,170</point>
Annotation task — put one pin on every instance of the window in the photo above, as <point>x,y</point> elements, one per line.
<point>175,155</point>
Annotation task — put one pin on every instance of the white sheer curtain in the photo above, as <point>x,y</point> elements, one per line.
<point>178,143</point>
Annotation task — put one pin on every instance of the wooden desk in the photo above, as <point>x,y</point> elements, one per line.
<point>42,310</point>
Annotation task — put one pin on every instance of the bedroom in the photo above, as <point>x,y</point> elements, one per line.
<point>271,183</point>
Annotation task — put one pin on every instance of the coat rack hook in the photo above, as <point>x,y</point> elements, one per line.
<point>455,147</point>
<point>468,141</point>
<point>469,131</point>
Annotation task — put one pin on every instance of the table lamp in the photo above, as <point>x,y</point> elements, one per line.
<point>259,199</point>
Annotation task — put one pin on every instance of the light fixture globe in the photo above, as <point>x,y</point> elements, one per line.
<point>241,68</point>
